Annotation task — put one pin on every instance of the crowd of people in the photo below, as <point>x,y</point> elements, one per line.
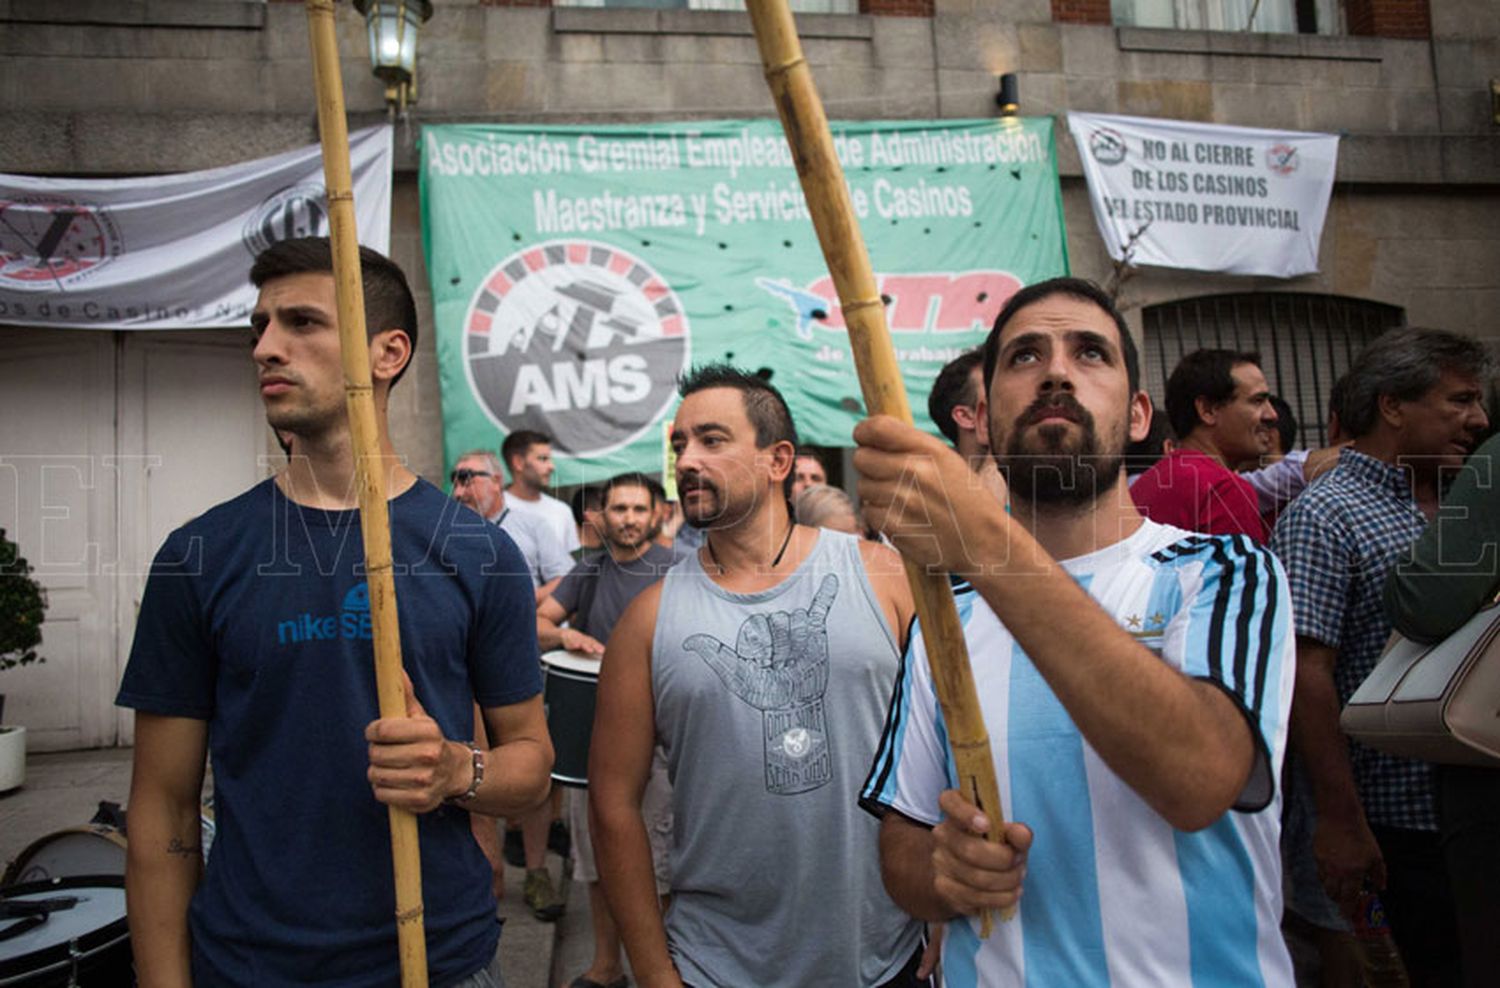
<point>1164,610</point>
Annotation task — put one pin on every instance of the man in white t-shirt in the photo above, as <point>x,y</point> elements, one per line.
<point>476,483</point>
<point>528,457</point>
<point>1135,681</point>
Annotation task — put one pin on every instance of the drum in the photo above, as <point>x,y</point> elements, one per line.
<point>92,849</point>
<point>64,932</point>
<point>572,681</point>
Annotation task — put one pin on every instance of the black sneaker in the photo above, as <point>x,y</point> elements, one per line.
<point>559,841</point>
<point>514,851</point>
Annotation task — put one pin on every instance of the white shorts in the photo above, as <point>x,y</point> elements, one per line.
<point>656,808</point>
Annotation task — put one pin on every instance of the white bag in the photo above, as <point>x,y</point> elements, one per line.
<point>1436,703</point>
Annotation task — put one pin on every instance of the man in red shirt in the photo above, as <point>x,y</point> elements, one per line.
<point>1219,405</point>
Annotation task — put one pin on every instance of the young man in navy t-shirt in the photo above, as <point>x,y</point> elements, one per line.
<point>253,648</point>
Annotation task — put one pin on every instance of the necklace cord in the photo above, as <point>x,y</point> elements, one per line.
<point>790,528</point>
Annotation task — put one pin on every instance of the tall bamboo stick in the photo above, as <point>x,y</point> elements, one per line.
<point>374,513</point>
<point>848,261</point>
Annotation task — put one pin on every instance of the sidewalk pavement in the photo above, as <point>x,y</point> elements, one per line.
<point>63,789</point>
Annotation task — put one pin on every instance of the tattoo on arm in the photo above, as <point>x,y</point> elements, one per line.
<point>182,850</point>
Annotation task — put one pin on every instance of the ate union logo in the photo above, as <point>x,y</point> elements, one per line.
<point>1107,146</point>
<point>1282,158</point>
<point>942,302</point>
<point>50,244</point>
<point>580,340</point>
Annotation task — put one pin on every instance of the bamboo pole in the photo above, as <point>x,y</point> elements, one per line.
<point>833,217</point>
<point>374,513</point>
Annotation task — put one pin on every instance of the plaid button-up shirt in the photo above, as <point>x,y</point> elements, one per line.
<point>1338,541</point>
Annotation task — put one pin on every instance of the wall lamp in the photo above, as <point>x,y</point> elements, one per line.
<point>393,27</point>
<point>1008,99</point>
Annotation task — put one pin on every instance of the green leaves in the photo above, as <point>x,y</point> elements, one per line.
<point>23,605</point>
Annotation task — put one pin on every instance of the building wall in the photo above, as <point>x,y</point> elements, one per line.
<point>143,96</point>
<point>182,84</point>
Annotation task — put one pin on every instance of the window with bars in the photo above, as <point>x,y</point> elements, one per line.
<point>1305,342</point>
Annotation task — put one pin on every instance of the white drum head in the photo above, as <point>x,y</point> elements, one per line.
<point>75,851</point>
<point>563,659</point>
<point>95,909</point>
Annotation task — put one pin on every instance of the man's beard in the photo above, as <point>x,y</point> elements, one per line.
<point>626,541</point>
<point>713,512</point>
<point>533,477</point>
<point>699,512</point>
<point>1048,472</point>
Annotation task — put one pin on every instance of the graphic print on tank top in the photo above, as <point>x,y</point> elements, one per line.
<point>779,666</point>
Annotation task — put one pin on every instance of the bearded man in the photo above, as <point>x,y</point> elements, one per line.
<point>763,666</point>
<point>1135,679</point>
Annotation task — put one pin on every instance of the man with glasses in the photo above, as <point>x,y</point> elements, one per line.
<point>477,483</point>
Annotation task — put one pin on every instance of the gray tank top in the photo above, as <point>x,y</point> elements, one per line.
<point>769,707</point>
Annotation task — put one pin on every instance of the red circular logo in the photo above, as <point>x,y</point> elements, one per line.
<point>48,244</point>
<point>1282,158</point>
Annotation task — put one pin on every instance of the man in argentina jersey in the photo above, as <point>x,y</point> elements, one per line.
<point>1135,681</point>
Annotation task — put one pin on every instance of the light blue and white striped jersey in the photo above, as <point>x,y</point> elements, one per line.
<point>1114,895</point>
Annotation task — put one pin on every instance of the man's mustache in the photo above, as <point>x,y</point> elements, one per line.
<point>1065,405</point>
<point>693,482</point>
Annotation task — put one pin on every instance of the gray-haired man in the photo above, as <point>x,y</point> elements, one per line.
<point>1412,405</point>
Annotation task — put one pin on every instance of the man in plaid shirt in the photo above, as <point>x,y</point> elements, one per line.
<point>1413,407</point>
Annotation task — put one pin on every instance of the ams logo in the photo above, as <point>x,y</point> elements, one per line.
<point>580,340</point>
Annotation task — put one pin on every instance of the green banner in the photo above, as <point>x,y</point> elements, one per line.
<point>577,271</point>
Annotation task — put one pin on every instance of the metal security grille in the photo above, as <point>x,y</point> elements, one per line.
<point>1305,342</point>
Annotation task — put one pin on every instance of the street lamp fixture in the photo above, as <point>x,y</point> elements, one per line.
<point>393,27</point>
<point>1008,99</point>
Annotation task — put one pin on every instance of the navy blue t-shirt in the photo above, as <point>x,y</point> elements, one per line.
<point>256,619</point>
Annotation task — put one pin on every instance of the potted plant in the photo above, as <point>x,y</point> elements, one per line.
<point>23,603</point>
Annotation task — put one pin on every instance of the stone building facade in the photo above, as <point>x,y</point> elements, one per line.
<point>133,87</point>
<point>107,88</point>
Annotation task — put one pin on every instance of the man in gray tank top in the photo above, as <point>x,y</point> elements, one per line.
<point>763,664</point>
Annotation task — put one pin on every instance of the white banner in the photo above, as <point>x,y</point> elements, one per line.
<point>171,251</point>
<point>1212,198</point>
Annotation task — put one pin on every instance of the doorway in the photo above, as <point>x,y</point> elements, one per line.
<point>108,441</point>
